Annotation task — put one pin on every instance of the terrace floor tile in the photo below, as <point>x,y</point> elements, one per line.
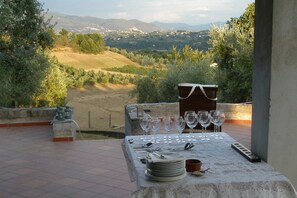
<point>32,165</point>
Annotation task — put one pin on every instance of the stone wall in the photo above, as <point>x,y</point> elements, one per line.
<point>236,112</point>
<point>14,116</point>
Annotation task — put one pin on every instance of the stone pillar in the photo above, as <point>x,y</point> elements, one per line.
<point>64,130</point>
<point>274,127</point>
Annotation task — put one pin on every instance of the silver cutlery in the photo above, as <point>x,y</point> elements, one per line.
<point>189,146</point>
<point>158,155</point>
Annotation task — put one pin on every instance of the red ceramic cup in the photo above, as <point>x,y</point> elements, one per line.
<point>193,165</point>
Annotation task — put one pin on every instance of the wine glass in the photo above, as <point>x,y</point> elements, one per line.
<point>145,125</point>
<point>211,113</point>
<point>168,125</point>
<point>217,118</point>
<point>191,119</point>
<point>204,120</point>
<point>180,124</point>
<point>220,120</point>
<point>155,125</point>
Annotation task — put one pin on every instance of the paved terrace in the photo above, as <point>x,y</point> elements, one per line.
<point>31,165</point>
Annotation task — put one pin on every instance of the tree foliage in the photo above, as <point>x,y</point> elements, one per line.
<point>232,48</point>
<point>199,72</point>
<point>186,54</point>
<point>24,37</point>
<point>147,88</point>
<point>232,51</point>
<point>77,78</point>
<point>86,43</point>
<point>190,66</point>
<point>53,87</point>
<point>90,43</point>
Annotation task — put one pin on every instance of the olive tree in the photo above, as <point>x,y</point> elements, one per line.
<point>53,88</point>
<point>199,72</point>
<point>24,38</point>
<point>232,48</point>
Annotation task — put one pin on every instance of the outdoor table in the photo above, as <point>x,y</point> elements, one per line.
<point>230,174</point>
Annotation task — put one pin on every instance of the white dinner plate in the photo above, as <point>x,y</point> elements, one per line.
<point>165,168</point>
<point>164,179</point>
<point>167,173</point>
<point>168,157</point>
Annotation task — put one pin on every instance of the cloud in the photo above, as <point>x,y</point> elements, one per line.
<point>120,5</point>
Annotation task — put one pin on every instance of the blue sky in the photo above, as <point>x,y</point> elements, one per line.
<point>192,12</point>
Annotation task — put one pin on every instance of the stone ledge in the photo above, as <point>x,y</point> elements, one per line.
<point>26,116</point>
<point>63,139</point>
<point>39,123</point>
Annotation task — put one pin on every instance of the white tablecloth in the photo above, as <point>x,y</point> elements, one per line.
<point>231,174</point>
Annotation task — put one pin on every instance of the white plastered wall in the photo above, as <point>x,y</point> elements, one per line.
<point>282,138</point>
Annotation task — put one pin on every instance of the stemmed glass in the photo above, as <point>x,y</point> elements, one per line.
<point>217,118</point>
<point>168,125</point>
<point>220,120</point>
<point>155,125</point>
<point>204,120</point>
<point>191,119</point>
<point>145,124</point>
<point>180,124</point>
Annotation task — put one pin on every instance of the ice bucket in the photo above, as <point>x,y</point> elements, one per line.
<point>197,97</point>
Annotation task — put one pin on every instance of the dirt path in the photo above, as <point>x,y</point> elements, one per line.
<point>100,102</point>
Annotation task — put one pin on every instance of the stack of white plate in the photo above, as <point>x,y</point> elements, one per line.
<point>169,168</point>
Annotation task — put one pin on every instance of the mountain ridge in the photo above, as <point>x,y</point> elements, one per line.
<point>89,24</point>
<point>185,26</point>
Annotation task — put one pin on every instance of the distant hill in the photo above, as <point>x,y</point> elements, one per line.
<point>85,24</point>
<point>93,24</point>
<point>187,27</point>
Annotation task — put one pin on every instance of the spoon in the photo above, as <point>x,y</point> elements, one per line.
<point>200,173</point>
<point>203,171</point>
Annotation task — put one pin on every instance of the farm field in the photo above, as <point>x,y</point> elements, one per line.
<point>94,62</point>
<point>94,105</point>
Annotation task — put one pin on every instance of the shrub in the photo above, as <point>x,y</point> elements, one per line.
<point>147,88</point>
<point>53,90</point>
<point>146,60</point>
<point>130,69</point>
